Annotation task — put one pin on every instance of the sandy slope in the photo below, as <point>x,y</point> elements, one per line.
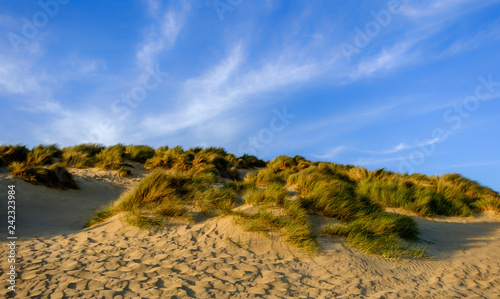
<point>216,259</point>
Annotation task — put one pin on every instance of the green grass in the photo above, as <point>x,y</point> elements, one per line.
<point>387,244</point>
<point>214,160</point>
<point>328,189</point>
<point>289,217</point>
<point>428,196</point>
<point>181,184</point>
<point>171,193</point>
<point>139,153</point>
<point>55,176</point>
<point>291,220</point>
<point>249,161</point>
<point>73,158</point>
<point>111,158</point>
<point>81,156</point>
<point>43,155</point>
<point>273,194</point>
<point>91,149</point>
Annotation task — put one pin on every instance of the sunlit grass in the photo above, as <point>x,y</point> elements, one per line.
<point>55,176</point>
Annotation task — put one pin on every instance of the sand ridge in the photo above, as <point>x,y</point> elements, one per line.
<point>216,259</point>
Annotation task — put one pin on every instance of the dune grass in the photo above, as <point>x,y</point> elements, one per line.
<point>13,153</point>
<point>449,195</point>
<point>213,159</point>
<point>43,155</point>
<point>112,158</point>
<point>171,193</point>
<point>249,161</point>
<point>181,184</point>
<point>55,176</point>
<point>325,188</point>
<point>277,212</point>
<point>82,155</point>
<point>37,166</point>
<point>139,153</point>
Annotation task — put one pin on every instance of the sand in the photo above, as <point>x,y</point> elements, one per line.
<point>216,259</point>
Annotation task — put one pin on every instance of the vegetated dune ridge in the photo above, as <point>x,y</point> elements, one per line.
<point>217,259</point>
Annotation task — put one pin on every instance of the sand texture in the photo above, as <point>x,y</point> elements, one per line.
<point>216,259</point>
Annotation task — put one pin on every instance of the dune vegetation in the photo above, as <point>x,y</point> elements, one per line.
<point>38,166</point>
<point>282,196</point>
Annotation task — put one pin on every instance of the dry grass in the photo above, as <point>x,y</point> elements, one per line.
<point>55,176</point>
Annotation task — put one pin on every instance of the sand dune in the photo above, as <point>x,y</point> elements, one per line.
<point>217,259</point>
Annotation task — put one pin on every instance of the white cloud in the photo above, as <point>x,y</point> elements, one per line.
<point>400,147</point>
<point>340,149</point>
<point>483,37</point>
<point>363,117</point>
<point>224,87</point>
<point>473,164</point>
<point>375,161</point>
<point>162,36</point>
<point>70,127</point>
<point>17,77</point>
<point>432,8</point>
<point>153,6</point>
<point>386,59</point>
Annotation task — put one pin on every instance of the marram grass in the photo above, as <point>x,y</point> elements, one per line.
<point>206,181</point>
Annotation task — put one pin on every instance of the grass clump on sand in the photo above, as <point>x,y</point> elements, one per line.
<point>111,158</point>
<point>105,158</point>
<point>82,155</point>
<point>33,165</point>
<point>13,153</point>
<point>43,155</point>
<point>55,176</point>
<point>277,211</point>
<point>170,193</point>
<point>382,234</point>
<point>213,159</point>
<point>324,188</point>
<point>139,153</point>
<point>449,195</point>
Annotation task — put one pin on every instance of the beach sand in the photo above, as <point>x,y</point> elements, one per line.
<point>216,259</point>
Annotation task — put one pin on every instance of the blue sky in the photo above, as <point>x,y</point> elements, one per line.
<point>411,86</point>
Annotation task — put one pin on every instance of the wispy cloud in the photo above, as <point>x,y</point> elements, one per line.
<point>333,153</point>
<point>225,86</point>
<point>433,8</point>
<point>375,161</point>
<point>481,38</point>
<point>387,59</point>
<point>18,77</point>
<point>162,35</point>
<point>473,164</point>
<point>153,6</point>
<point>72,127</point>
<point>400,147</point>
<point>363,116</point>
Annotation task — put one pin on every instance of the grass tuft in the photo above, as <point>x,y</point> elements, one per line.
<point>43,155</point>
<point>171,193</point>
<point>111,158</point>
<point>55,176</point>
<point>13,153</point>
<point>139,153</point>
